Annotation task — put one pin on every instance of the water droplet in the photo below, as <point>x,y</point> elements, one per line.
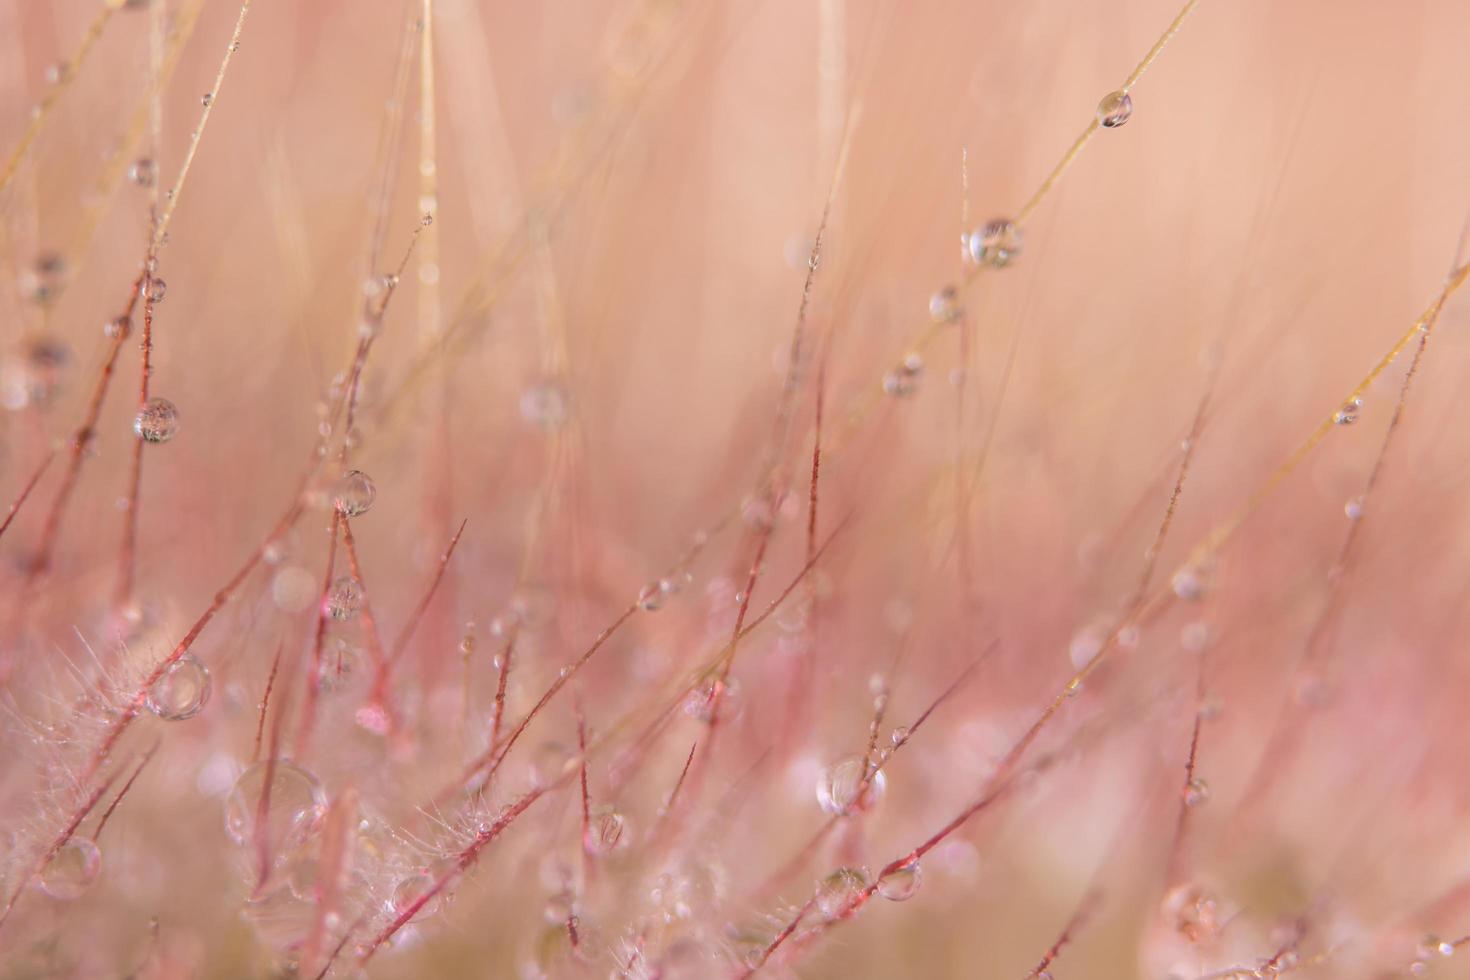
<point>43,282</point>
<point>1188,584</point>
<point>57,73</point>
<point>1349,412</point>
<point>207,99</point>
<point>902,883</point>
<point>155,289</point>
<point>651,597</point>
<point>1115,109</point>
<point>944,306</point>
<point>605,831</point>
<point>996,243</point>
<point>1195,637</point>
<point>157,420</point>
<point>1193,912</point>
<point>545,405</point>
<point>839,893</point>
<point>409,891</point>
<point>559,907</point>
<point>293,807</point>
<point>354,494</point>
<point>700,703</point>
<point>903,380</point>
<point>36,376</point>
<point>118,328</point>
<point>1196,792</point>
<point>901,734</point>
<point>143,172</point>
<point>71,870</point>
<point>343,598</point>
<point>1312,691</point>
<point>339,662</point>
<point>293,589</point>
<point>1086,644</point>
<point>845,786</point>
<point>1428,946</point>
<point>182,691</point>
<point>1353,508</point>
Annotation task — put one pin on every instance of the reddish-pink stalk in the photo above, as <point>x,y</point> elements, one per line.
<point>76,450</point>
<point>1069,932</point>
<point>380,690</point>
<point>117,800</point>
<point>265,701</point>
<point>319,639</point>
<point>336,840</point>
<point>498,712</point>
<point>1181,824</point>
<point>26,492</point>
<point>263,805</point>
<point>369,621</point>
<point>128,552</point>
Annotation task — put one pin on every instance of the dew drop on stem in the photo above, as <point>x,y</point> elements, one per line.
<point>182,691</point>
<point>1115,109</point>
<point>157,421</point>
<point>902,883</point>
<point>71,870</point>
<point>354,493</point>
<point>838,894</point>
<point>997,243</point>
<point>343,598</point>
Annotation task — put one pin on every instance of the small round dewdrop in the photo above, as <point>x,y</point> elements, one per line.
<point>838,893</point>
<point>902,883</point>
<point>545,405</point>
<point>944,306</point>
<point>410,891</point>
<point>292,809</point>
<point>651,597</point>
<point>1348,414</point>
<point>155,289</point>
<point>354,494</point>
<point>45,279</point>
<point>996,243</point>
<point>71,870</point>
<point>343,599</point>
<point>182,691</point>
<point>1114,109</point>
<point>157,420</point>
<point>1196,792</point>
<point>1188,584</point>
<point>903,380</point>
<point>842,787</point>
<point>143,172</point>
